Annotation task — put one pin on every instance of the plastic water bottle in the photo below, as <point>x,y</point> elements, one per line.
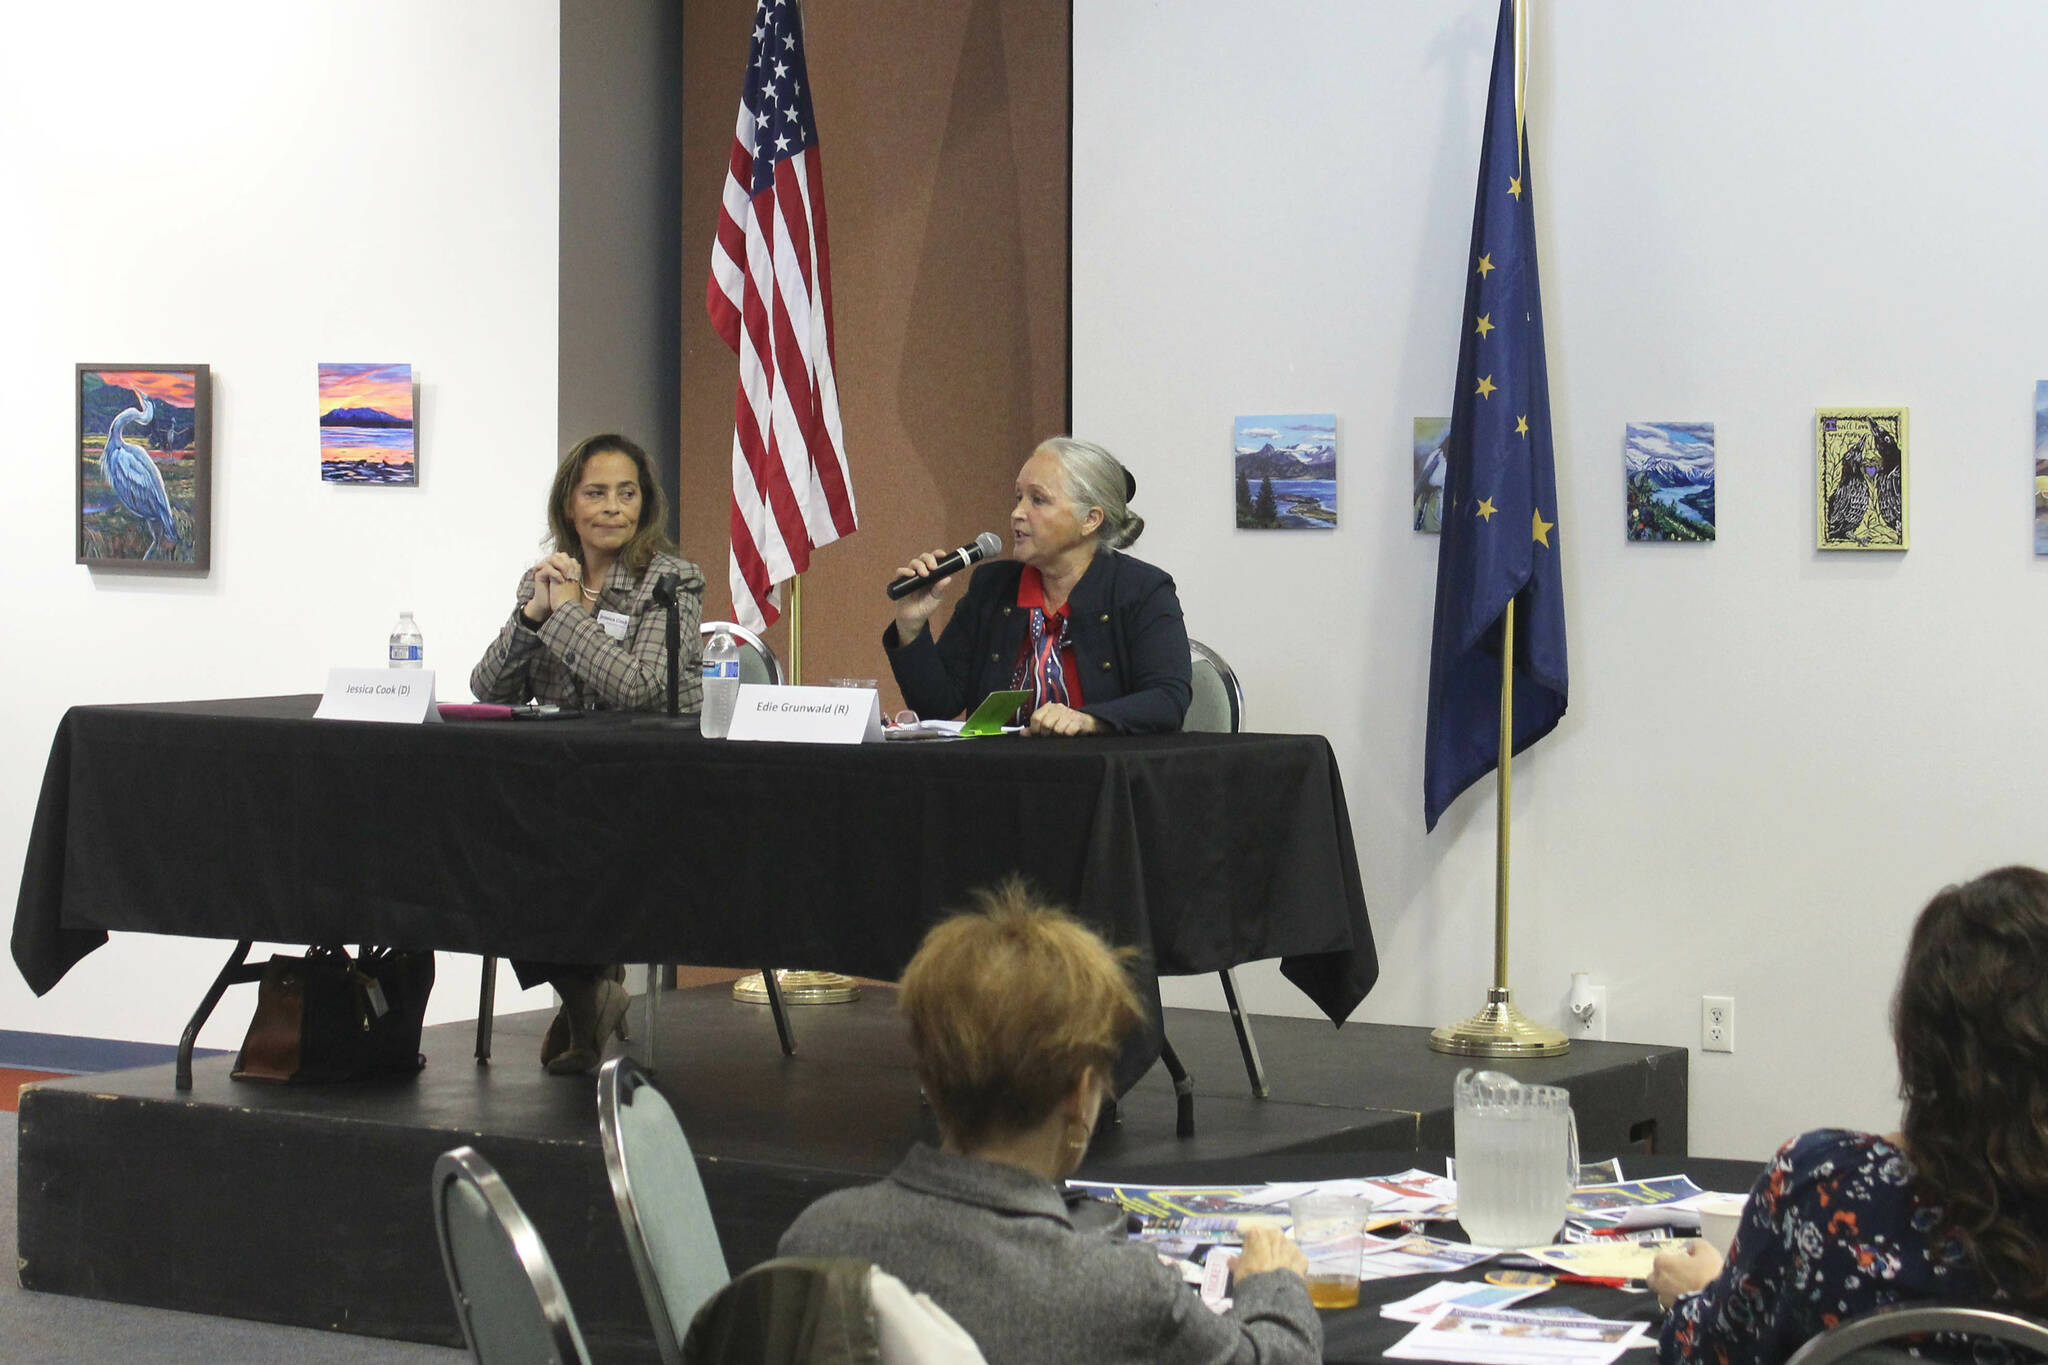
<point>721,684</point>
<point>406,649</point>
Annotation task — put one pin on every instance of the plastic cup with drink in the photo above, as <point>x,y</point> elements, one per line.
<point>1330,1230</point>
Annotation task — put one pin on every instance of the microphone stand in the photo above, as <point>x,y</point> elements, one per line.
<point>664,593</point>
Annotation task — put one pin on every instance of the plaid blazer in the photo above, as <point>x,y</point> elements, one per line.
<point>571,661</point>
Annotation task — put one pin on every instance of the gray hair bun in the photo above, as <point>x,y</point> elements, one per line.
<point>1095,478</point>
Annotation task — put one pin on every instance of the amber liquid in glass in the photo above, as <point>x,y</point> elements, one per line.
<point>1336,1292</point>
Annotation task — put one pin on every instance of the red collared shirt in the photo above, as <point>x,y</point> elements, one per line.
<point>1031,593</point>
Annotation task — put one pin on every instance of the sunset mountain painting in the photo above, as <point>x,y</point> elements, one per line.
<point>366,425</point>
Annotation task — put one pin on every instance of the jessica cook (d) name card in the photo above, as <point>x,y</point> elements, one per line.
<point>402,696</point>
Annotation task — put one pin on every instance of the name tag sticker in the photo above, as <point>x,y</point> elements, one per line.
<point>807,715</point>
<point>614,623</point>
<point>400,696</point>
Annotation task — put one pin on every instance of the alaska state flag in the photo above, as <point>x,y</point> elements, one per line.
<point>1500,517</point>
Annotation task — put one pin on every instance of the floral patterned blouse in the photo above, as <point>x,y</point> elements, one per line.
<point>1834,1228</point>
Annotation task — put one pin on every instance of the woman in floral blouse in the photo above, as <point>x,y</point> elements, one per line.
<point>1954,1208</point>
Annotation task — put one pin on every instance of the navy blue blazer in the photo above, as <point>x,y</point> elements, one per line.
<point>1129,644</point>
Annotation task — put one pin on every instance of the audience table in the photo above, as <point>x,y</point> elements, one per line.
<point>631,839</point>
<point>1360,1336</point>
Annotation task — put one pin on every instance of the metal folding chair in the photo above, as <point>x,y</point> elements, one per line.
<point>669,1234</point>
<point>507,1295</point>
<point>1876,1336</point>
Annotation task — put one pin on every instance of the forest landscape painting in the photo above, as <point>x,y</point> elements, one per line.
<point>366,425</point>
<point>145,472</point>
<point>1670,471</point>
<point>1286,472</point>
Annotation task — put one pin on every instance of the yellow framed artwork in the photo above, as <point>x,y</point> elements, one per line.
<point>1860,470</point>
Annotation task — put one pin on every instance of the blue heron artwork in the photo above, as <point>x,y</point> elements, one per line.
<point>143,477</point>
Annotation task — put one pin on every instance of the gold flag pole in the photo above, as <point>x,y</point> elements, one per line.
<point>1501,1030</point>
<point>796,631</point>
<point>797,987</point>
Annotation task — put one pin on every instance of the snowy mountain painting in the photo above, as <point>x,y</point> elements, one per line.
<point>1670,470</point>
<point>1286,472</point>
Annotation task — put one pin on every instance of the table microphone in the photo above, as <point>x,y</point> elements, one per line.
<point>983,547</point>
<point>663,592</point>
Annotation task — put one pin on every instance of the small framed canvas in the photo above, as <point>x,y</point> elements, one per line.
<point>145,467</point>
<point>1861,468</point>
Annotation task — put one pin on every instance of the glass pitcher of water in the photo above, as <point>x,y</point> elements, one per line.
<point>1518,1158</point>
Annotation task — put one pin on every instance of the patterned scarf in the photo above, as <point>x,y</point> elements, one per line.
<point>1039,670</point>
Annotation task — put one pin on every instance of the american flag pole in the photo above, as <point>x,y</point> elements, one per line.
<point>770,299</point>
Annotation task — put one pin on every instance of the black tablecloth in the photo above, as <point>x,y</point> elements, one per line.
<point>621,839</point>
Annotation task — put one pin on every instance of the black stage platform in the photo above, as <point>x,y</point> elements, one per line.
<point>308,1205</point>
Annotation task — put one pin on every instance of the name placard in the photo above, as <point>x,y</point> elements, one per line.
<point>807,715</point>
<point>400,696</point>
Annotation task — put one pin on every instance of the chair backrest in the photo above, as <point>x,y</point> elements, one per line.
<point>507,1295</point>
<point>1870,1332</point>
<point>1218,703</point>
<point>758,663</point>
<point>797,1310</point>
<point>669,1235</point>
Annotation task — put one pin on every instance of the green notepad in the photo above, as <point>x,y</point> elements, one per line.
<point>995,712</point>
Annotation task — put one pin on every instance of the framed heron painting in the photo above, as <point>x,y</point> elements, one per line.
<point>145,467</point>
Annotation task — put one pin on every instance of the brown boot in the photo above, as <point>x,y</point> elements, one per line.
<point>596,1008</point>
<point>556,1040</point>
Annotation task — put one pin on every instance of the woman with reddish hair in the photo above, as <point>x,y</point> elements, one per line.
<point>1015,1015</point>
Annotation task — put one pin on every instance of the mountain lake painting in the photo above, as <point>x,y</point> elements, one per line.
<point>1670,470</point>
<point>366,425</point>
<point>1286,472</point>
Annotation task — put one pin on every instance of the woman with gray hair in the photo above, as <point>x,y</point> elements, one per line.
<point>1092,634</point>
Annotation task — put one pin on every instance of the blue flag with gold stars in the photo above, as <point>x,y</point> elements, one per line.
<point>1500,518</point>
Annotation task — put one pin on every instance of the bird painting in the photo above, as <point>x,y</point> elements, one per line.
<point>134,479</point>
<point>1891,493</point>
<point>1851,499</point>
<point>1862,456</point>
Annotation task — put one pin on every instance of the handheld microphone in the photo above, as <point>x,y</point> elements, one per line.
<point>983,547</point>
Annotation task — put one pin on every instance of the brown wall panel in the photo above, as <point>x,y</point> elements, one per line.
<point>944,131</point>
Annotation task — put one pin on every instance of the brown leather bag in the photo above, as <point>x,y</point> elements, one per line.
<point>325,1017</point>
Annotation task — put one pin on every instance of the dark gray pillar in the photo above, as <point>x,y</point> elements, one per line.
<point>622,252</point>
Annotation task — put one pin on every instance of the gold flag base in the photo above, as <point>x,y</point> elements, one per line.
<point>798,988</point>
<point>1499,1030</point>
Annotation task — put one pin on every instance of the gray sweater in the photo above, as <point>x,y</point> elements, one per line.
<point>993,1246</point>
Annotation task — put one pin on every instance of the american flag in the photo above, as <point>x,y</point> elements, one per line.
<point>770,297</point>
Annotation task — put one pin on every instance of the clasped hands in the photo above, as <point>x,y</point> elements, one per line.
<point>557,582</point>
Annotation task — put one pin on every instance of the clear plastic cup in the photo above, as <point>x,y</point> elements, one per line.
<point>1330,1230</point>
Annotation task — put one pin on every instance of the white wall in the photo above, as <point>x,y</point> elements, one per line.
<point>1773,756</point>
<point>263,187</point>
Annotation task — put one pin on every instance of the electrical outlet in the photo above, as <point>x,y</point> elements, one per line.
<point>1717,1023</point>
<point>1594,1025</point>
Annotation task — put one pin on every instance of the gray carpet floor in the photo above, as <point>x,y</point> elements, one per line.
<point>56,1329</point>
